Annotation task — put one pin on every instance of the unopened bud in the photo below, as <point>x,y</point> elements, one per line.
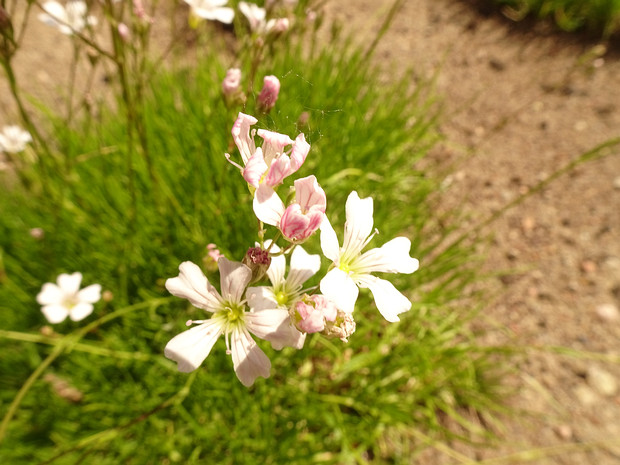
<point>210,260</point>
<point>257,260</point>
<point>313,313</point>
<point>269,93</point>
<point>124,32</point>
<point>37,233</point>
<point>279,26</point>
<point>232,82</point>
<point>107,296</point>
<point>5,21</point>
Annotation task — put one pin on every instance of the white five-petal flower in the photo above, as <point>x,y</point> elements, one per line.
<point>68,19</point>
<point>352,268</point>
<point>213,10</point>
<point>13,139</point>
<point>229,317</point>
<point>66,299</point>
<point>284,292</point>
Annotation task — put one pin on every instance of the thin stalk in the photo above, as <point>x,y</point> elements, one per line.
<point>396,6</point>
<point>79,346</point>
<point>111,433</point>
<point>72,74</point>
<point>66,344</point>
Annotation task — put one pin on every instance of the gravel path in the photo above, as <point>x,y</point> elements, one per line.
<point>519,104</point>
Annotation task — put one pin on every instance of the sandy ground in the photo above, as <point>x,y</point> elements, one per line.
<point>519,103</point>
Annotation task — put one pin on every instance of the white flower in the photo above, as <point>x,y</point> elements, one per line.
<point>256,17</point>
<point>284,292</point>
<point>229,317</point>
<point>68,19</point>
<point>13,139</point>
<point>211,9</point>
<point>66,299</point>
<point>254,13</point>
<point>352,268</point>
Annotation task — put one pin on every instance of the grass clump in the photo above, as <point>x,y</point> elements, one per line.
<point>596,16</point>
<point>126,217</point>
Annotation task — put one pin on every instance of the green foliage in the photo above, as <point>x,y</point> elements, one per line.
<point>126,217</point>
<point>598,16</point>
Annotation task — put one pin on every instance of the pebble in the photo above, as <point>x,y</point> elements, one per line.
<point>602,381</point>
<point>564,431</point>
<point>617,182</point>
<point>608,312</point>
<point>586,396</point>
<point>588,266</point>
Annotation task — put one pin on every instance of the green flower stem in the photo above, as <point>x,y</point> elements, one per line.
<point>66,344</point>
<point>79,346</point>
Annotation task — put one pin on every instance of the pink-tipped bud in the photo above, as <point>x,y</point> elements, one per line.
<point>124,32</point>
<point>269,93</point>
<point>279,26</point>
<point>297,226</point>
<point>312,313</point>
<point>231,84</point>
<point>37,233</point>
<point>301,219</point>
<point>212,257</point>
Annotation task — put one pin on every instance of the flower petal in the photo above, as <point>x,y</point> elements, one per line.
<point>255,168</point>
<point>358,225</point>
<point>303,267</point>
<point>192,284</point>
<point>69,283</point>
<point>392,257</point>
<point>55,313</point>
<point>280,168</point>
<point>90,294</point>
<point>274,325</point>
<point>388,299</point>
<point>340,288</point>
<point>191,347</point>
<point>299,152</point>
<point>50,294</point>
<point>234,278</point>
<point>241,136</point>
<point>223,15</point>
<point>249,360</point>
<point>277,268</point>
<point>80,311</point>
<point>261,298</point>
<point>268,207</point>
<point>329,241</point>
<point>309,194</point>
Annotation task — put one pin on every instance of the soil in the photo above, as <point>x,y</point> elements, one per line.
<point>520,102</point>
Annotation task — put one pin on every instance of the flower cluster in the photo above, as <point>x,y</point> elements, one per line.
<point>283,311</point>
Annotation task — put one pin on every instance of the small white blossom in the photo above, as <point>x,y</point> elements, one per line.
<point>213,10</point>
<point>352,268</point>
<point>13,139</point>
<point>229,317</point>
<point>285,292</point>
<point>68,19</point>
<point>66,299</point>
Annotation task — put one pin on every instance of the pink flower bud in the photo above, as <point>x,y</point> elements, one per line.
<point>232,82</point>
<point>124,32</point>
<point>312,312</point>
<point>298,227</point>
<point>269,93</point>
<point>301,219</point>
<point>279,26</point>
